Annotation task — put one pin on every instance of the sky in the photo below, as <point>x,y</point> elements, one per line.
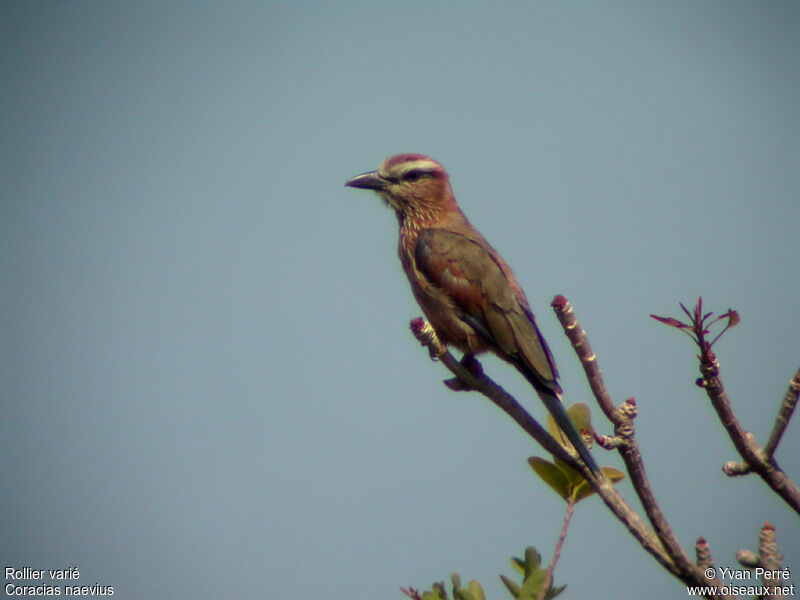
<point>207,382</point>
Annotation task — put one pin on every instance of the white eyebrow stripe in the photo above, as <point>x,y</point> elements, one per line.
<point>422,165</point>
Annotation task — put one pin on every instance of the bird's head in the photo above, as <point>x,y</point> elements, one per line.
<point>415,186</point>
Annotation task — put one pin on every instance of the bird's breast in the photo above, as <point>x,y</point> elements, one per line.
<point>439,307</point>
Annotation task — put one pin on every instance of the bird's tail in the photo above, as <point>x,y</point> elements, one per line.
<point>556,408</point>
<point>547,388</point>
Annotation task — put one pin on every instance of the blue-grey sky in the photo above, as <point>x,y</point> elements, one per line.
<point>207,382</point>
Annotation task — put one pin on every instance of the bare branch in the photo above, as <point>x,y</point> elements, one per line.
<point>784,415</point>
<point>769,560</point>
<point>743,440</point>
<point>769,556</point>
<point>580,343</point>
<point>703,553</point>
<point>733,468</point>
<point>755,459</point>
<point>624,429</point>
<point>479,382</point>
<point>548,581</point>
<point>476,380</point>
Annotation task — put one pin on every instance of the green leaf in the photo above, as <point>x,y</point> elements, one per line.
<point>532,585</point>
<point>462,594</point>
<point>613,474</point>
<point>532,560</point>
<point>555,430</point>
<point>476,590</point>
<point>581,491</point>
<point>572,475</point>
<point>554,591</point>
<point>581,417</point>
<point>518,564</point>
<point>584,490</point>
<point>552,475</point>
<point>456,579</point>
<point>438,592</point>
<point>512,586</point>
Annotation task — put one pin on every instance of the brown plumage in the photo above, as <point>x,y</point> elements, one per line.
<point>466,290</point>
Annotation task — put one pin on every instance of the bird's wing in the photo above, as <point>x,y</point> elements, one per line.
<point>483,288</point>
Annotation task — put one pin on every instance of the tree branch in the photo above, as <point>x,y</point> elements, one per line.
<point>784,415</point>
<point>757,459</point>
<point>548,580</point>
<point>474,379</point>
<point>628,448</point>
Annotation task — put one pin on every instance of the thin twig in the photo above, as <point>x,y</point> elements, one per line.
<point>771,561</point>
<point>755,458</point>
<point>548,581</point>
<point>601,484</point>
<point>744,441</point>
<point>784,415</point>
<point>623,426</point>
<point>580,343</point>
<point>703,554</point>
<point>479,382</point>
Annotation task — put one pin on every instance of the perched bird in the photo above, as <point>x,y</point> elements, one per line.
<point>464,287</point>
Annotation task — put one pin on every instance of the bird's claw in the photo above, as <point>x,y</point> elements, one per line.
<point>471,364</point>
<point>426,335</point>
<point>457,385</point>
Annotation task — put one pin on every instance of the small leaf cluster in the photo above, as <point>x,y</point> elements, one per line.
<point>438,591</point>
<point>563,479</point>
<point>533,577</point>
<point>699,325</point>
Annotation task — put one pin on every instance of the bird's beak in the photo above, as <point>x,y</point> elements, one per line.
<point>367,181</point>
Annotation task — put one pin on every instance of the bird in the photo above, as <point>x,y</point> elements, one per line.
<point>466,290</point>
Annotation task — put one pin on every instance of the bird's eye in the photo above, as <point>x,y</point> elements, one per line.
<point>415,174</point>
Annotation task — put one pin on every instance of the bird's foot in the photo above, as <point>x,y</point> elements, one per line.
<point>426,335</point>
<point>471,364</point>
